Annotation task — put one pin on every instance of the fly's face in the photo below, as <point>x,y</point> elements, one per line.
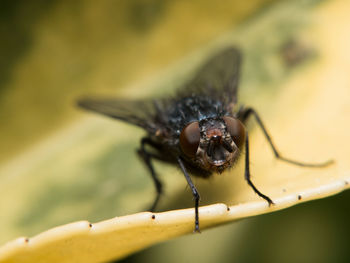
<point>213,144</point>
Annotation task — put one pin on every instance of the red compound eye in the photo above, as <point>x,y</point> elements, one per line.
<point>236,129</point>
<point>189,139</point>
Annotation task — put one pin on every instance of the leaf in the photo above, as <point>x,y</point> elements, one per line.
<point>308,119</point>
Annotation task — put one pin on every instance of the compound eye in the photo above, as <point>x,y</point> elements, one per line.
<point>189,139</point>
<point>236,129</point>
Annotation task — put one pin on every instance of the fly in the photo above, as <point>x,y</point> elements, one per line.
<point>197,129</point>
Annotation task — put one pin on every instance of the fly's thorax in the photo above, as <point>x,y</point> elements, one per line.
<point>213,143</point>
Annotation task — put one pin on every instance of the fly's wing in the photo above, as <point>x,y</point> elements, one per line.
<point>218,77</point>
<point>138,112</point>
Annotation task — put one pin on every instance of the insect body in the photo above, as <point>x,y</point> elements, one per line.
<point>197,128</point>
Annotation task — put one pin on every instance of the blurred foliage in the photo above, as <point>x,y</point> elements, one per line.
<point>17,20</point>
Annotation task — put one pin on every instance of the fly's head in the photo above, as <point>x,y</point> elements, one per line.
<point>214,143</point>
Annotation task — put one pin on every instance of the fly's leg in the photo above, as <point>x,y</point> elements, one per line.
<point>247,173</point>
<point>194,193</point>
<point>146,157</point>
<point>244,115</point>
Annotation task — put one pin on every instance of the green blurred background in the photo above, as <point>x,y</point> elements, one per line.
<point>59,165</point>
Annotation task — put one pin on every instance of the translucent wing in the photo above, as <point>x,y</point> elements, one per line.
<point>138,112</point>
<point>218,77</point>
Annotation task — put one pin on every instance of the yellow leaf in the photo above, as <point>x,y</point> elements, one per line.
<point>307,119</point>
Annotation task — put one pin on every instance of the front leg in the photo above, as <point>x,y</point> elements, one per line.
<point>247,173</point>
<point>194,193</point>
